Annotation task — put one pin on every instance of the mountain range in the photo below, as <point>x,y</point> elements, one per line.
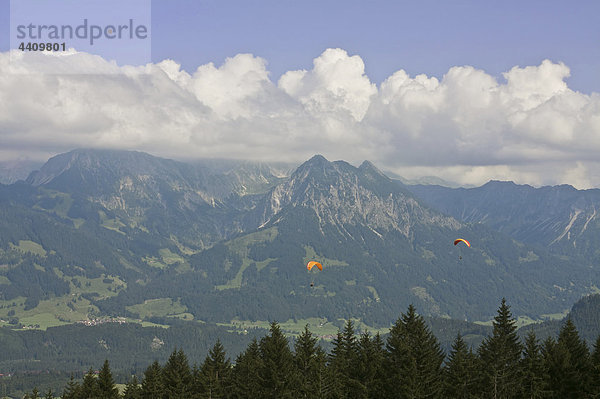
<point>560,218</point>
<point>98,233</point>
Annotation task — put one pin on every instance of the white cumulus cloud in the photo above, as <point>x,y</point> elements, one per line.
<point>337,83</point>
<point>466,126</point>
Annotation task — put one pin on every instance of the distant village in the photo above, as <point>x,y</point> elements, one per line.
<point>103,320</point>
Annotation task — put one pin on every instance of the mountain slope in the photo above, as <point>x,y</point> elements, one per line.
<point>382,249</point>
<point>127,234</point>
<point>561,218</point>
<point>161,196</point>
<point>585,314</point>
<point>341,194</point>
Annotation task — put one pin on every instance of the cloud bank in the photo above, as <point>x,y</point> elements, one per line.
<point>466,126</point>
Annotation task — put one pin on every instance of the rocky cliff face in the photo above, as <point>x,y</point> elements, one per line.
<point>561,218</point>
<point>342,195</point>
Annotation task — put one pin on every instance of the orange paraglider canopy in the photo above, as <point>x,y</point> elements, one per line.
<point>311,264</point>
<point>462,240</point>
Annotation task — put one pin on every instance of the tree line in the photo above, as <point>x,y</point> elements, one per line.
<point>409,363</point>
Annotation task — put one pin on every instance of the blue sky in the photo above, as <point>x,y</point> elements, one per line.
<point>419,36</point>
<point>465,90</point>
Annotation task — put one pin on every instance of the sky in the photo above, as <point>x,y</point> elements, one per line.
<point>468,91</point>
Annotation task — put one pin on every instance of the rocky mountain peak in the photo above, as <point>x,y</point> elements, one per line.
<point>86,162</point>
<point>368,168</point>
<point>318,165</point>
<point>341,194</point>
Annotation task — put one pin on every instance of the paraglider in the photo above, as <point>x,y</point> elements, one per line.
<point>310,266</point>
<point>458,241</point>
<point>462,240</point>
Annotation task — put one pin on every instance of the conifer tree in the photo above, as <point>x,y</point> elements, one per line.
<point>343,365</point>
<point>354,388</point>
<point>152,384</point>
<point>247,381</point>
<point>277,371</point>
<point>105,384</point>
<point>500,355</point>
<point>414,359</point>
<point>576,373</point>
<point>71,391</point>
<point>595,371</point>
<point>49,394</point>
<point>309,360</point>
<point>215,374</point>
<point>177,376</point>
<point>133,390</point>
<point>533,385</point>
<point>556,361</point>
<point>89,387</point>
<point>459,372</point>
<point>335,377</point>
<point>371,372</point>
<point>321,361</point>
<point>197,386</point>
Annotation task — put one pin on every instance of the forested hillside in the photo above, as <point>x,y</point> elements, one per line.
<point>408,363</point>
<point>48,359</point>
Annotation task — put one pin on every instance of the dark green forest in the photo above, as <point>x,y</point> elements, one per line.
<point>408,363</point>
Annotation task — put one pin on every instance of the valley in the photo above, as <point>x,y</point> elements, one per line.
<point>119,239</point>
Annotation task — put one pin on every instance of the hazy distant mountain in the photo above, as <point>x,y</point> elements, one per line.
<point>248,177</point>
<point>195,202</point>
<point>11,171</point>
<point>561,218</point>
<point>226,242</point>
<point>424,180</point>
<point>106,173</point>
